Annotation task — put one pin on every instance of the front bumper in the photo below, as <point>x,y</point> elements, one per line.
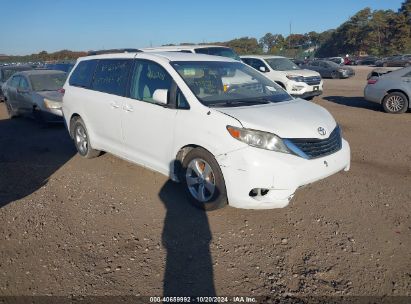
<point>304,90</point>
<point>346,74</point>
<point>282,174</point>
<point>309,94</point>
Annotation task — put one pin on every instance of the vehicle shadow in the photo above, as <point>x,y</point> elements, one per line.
<point>186,237</point>
<point>29,155</point>
<point>355,102</point>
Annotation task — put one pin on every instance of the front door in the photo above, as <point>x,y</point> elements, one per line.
<point>148,125</point>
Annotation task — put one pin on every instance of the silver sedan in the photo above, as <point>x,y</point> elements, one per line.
<point>392,90</point>
<point>37,93</point>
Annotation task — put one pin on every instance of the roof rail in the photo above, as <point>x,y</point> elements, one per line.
<point>91,53</point>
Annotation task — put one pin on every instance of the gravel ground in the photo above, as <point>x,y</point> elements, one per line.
<point>71,226</point>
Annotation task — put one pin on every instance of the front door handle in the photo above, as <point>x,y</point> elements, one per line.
<point>128,108</point>
<point>114,105</point>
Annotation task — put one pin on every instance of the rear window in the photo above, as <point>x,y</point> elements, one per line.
<point>111,76</point>
<point>83,74</point>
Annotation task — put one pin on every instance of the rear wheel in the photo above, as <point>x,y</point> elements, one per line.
<point>395,103</point>
<point>82,139</point>
<point>203,180</point>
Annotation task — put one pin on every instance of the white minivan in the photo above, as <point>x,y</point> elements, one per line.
<point>297,82</point>
<point>228,133</point>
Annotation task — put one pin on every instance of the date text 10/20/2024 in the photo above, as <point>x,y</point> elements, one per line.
<point>239,299</point>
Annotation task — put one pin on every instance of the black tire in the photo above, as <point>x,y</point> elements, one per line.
<point>82,139</point>
<point>39,117</point>
<point>217,199</point>
<point>334,75</point>
<point>10,112</point>
<point>395,103</point>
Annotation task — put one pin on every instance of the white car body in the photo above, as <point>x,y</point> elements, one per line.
<point>312,84</point>
<point>152,136</point>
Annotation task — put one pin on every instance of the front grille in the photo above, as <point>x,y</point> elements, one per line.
<point>312,80</point>
<point>313,147</point>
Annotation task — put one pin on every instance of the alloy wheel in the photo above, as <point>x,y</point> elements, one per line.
<point>200,180</point>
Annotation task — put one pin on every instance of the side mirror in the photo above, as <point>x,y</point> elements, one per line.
<point>161,96</point>
<point>263,69</point>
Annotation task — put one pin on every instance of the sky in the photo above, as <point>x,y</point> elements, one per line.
<point>32,26</point>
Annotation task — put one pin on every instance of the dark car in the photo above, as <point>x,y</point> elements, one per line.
<point>398,61</point>
<point>60,66</point>
<point>369,60</point>
<point>8,70</point>
<point>329,69</point>
<point>36,93</point>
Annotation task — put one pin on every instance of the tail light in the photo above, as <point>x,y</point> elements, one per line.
<point>372,80</point>
<point>62,91</point>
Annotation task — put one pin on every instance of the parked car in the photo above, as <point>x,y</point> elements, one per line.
<point>35,93</point>
<point>368,60</point>
<point>305,84</point>
<point>397,61</point>
<point>228,133</point>
<point>391,90</point>
<point>6,71</point>
<point>216,50</point>
<point>329,69</point>
<point>350,60</point>
<point>60,66</point>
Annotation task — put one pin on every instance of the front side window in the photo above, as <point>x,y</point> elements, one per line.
<point>111,76</point>
<point>281,64</point>
<point>147,78</point>
<point>218,51</point>
<point>228,83</point>
<point>83,74</point>
<point>24,84</point>
<point>47,82</point>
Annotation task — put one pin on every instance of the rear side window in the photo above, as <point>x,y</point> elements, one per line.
<point>111,76</point>
<point>83,74</point>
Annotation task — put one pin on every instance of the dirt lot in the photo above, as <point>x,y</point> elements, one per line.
<point>71,226</point>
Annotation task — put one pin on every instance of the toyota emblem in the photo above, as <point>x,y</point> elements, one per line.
<point>321,131</point>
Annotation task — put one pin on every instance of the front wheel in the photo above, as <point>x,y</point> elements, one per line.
<point>334,75</point>
<point>82,140</point>
<point>203,180</point>
<point>10,112</point>
<point>395,103</point>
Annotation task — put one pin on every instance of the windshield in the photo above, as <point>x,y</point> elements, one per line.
<point>218,51</point>
<point>281,64</point>
<point>48,82</point>
<point>228,83</point>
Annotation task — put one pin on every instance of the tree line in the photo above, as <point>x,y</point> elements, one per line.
<point>378,32</point>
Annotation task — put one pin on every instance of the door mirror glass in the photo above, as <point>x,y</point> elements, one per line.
<point>160,96</point>
<point>263,69</point>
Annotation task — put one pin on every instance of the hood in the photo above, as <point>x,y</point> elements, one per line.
<point>290,119</point>
<point>305,73</point>
<point>52,95</point>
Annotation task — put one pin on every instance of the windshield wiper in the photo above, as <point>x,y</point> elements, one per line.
<point>240,102</point>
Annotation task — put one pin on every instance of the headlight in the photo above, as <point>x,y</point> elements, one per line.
<point>342,71</point>
<point>51,104</point>
<point>296,78</point>
<point>259,139</point>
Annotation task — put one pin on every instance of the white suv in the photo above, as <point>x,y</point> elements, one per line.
<point>299,83</point>
<point>243,142</point>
